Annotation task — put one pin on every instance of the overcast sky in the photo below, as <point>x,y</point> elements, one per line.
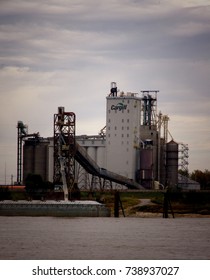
<point>66,53</point>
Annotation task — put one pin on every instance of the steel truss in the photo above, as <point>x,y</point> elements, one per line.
<point>64,146</point>
<point>184,162</point>
<point>22,133</point>
<point>90,182</point>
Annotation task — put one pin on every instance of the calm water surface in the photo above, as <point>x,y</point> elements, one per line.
<point>104,238</point>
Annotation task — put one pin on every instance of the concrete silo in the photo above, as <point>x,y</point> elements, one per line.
<point>146,168</point>
<point>35,158</point>
<point>172,151</point>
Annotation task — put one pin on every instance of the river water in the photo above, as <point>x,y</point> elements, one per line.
<point>104,238</point>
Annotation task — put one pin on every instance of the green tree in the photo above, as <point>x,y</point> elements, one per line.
<point>201,177</point>
<point>184,172</point>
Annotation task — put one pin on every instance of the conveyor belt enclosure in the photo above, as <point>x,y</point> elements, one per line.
<point>91,167</point>
<point>64,127</point>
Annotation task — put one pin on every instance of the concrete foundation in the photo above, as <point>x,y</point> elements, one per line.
<point>54,208</point>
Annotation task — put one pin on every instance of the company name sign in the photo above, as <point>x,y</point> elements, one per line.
<point>119,107</point>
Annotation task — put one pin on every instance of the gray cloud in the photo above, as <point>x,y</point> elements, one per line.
<point>56,53</point>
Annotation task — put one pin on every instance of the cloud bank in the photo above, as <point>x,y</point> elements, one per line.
<point>66,53</point>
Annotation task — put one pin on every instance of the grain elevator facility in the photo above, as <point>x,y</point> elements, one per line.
<point>131,150</point>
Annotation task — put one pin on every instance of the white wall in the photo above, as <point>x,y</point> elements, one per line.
<point>122,134</point>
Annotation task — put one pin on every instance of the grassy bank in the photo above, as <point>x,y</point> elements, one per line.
<point>135,203</point>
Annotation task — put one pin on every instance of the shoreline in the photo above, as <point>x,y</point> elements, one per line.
<point>135,211</point>
<point>160,215</point>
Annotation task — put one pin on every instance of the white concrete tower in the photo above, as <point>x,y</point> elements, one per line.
<point>123,119</point>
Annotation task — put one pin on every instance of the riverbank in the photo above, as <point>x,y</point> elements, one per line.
<point>151,204</point>
<point>140,211</point>
<point>142,204</point>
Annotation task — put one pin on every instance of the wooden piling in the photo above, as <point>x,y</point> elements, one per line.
<point>116,204</point>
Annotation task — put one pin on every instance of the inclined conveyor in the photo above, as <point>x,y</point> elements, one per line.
<point>91,167</point>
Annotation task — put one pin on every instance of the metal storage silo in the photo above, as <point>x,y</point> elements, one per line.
<point>91,150</point>
<point>146,168</point>
<point>41,160</point>
<point>51,161</point>
<point>101,156</point>
<point>172,149</point>
<point>28,158</point>
<point>35,158</point>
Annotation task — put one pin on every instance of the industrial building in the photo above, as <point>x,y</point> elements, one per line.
<point>131,151</point>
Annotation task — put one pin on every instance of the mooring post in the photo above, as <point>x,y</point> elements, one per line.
<point>116,204</point>
<point>121,206</point>
<point>165,205</point>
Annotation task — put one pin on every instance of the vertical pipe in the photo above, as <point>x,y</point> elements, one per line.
<point>159,136</point>
<point>19,156</point>
<point>5,173</point>
<point>145,111</point>
<point>149,110</point>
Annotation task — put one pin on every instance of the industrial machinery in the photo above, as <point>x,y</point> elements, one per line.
<point>22,133</point>
<point>62,169</point>
<point>130,150</point>
<point>149,100</point>
<point>64,150</point>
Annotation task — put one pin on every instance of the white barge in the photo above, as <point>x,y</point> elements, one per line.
<point>76,208</point>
